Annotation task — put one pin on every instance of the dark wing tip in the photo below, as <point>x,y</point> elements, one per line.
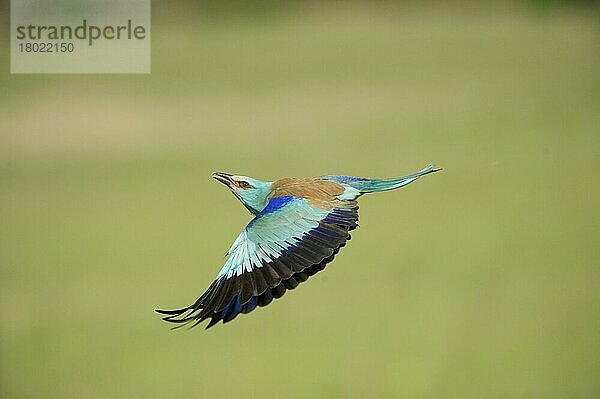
<point>172,312</point>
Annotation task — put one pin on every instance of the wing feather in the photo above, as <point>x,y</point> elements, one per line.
<point>278,250</point>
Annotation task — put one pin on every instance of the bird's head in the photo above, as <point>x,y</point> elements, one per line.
<point>251,192</point>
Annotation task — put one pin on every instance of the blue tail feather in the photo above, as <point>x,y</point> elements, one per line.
<point>373,185</point>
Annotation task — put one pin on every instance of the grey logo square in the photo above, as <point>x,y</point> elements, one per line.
<point>80,36</point>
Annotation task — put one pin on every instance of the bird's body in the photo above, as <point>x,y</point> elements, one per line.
<point>300,224</point>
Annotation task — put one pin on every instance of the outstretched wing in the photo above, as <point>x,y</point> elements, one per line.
<point>290,240</point>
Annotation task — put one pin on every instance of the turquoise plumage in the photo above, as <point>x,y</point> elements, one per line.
<point>299,226</point>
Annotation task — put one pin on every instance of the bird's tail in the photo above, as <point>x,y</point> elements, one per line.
<point>373,185</point>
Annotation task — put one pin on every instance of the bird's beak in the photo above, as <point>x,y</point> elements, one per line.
<point>224,178</point>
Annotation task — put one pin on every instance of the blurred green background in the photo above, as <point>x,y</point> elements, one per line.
<point>478,282</point>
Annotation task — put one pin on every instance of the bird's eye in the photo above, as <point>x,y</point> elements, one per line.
<point>243,184</point>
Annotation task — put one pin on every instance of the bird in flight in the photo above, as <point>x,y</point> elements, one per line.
<point>299,225</point>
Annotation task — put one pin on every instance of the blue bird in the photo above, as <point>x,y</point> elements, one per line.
<point>299,225</point>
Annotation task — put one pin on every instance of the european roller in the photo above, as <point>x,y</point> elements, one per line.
<point>298,226</point>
